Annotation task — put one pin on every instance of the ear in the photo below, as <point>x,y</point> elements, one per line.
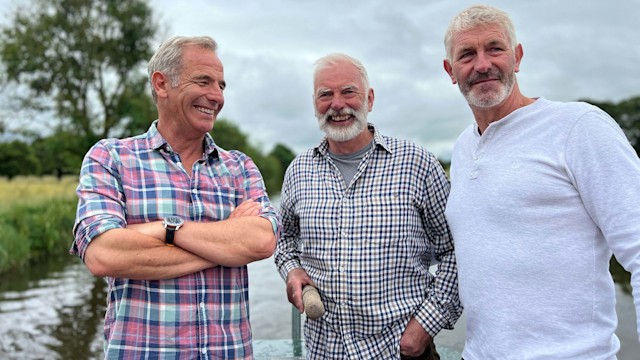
<point>449,69</point>
<point>519,54</point>
<point>160,83</point>
<point>370,98</point>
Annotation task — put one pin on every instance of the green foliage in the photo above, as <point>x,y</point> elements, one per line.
<point>17,158</point>
<point>627,114</point>
<point>14,248</point>
<point>137,112</point>
<point>284,155</point>
<point>83,55</point>
<point>61,153</point>
<point>271,171</point>
<point>33,231</point>
<point>229,137</point>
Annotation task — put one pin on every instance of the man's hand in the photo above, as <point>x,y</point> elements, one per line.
<point>414,340</point>
<point>246,208</point>
<point>157,230</point>
<point>296,279</point>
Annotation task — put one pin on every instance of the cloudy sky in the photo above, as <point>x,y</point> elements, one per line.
<point>572,49</point>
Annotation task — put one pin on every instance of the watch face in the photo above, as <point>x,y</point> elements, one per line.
<point>174,221</point>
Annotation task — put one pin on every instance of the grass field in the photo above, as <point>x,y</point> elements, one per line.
<point>28,190</point>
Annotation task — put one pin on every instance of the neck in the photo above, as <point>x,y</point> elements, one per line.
<point>189,146</point>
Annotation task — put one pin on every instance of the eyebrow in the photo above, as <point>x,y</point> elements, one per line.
<point>350,87</point>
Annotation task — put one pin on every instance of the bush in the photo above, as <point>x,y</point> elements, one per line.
<point>33,231</point>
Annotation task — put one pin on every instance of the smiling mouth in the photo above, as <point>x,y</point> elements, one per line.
<point>340,118</point>
<point>205,110</point>
<point>482,81</point>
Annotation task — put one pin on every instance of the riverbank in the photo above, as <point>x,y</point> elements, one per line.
<point>36,217</point>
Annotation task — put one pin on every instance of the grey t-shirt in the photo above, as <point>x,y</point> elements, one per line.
<point>348,163</point>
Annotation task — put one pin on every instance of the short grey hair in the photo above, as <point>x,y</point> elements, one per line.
<point>479,15</point>
<point>168,58</point>
<point>335,58</point>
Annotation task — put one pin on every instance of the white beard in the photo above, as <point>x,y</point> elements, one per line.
<point>344,133</point>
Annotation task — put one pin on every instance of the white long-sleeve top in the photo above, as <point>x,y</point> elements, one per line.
<point>538,203</point>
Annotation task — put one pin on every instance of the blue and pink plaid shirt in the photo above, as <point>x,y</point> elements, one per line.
<point>204,315</point>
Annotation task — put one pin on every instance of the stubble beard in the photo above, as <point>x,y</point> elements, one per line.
<point>485,95</point>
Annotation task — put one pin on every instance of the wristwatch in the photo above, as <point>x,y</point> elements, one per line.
<point>172,224</point>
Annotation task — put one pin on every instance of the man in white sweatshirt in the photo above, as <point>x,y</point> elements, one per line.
<point>542,194</point>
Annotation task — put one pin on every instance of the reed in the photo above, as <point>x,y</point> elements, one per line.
<point>36,218</point>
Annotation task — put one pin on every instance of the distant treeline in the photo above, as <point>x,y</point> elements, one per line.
<point>56,60</point>
<point>61,154</point>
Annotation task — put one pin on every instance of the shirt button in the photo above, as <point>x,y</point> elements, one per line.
<point>202,305</point>
<point>341,268</point>
<point>473,175</point>
<point>204,350</point>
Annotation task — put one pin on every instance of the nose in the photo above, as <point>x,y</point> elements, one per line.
<point>215,94</point>
<point>482,63</point>
<point>337,102</point>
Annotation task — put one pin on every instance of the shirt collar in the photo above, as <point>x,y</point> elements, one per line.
<point>378,141</point>
<point>156,141</point>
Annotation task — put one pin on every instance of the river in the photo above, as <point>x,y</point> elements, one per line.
<point>54,310</point>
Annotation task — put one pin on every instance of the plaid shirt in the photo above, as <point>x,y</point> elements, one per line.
<point>140,179</point>
<point>367,246</point>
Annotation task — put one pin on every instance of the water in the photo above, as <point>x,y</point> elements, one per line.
<point>54,310</point>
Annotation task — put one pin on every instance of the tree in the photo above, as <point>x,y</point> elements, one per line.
<point>58,153</point>
<point>284,155</point>
<point>84,55</point>
<point>17,158</point>
<point>627,114</point>
<point>229,137</point>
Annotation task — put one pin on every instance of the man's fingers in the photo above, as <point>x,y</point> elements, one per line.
<point>247,208</point>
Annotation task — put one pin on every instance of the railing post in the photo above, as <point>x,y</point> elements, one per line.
<point>296,331</point>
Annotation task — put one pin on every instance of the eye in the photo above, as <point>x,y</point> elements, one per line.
<point>349,93</point>
<point>465,55</point>
<point>324,95</point>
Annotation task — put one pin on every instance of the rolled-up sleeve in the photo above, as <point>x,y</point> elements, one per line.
<point>101,201</point>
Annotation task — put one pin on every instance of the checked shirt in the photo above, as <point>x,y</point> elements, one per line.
<point>367,245</point>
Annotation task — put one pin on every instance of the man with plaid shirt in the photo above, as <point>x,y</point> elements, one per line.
<point>361,215</point>
<point>171,220</point>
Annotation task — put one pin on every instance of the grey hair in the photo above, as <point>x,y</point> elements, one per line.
<point>168,58</point>
<point>479,15</point>
<point>335,58</point>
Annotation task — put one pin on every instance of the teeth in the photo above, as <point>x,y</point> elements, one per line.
<point>340,117</point>
<point>205,110</point>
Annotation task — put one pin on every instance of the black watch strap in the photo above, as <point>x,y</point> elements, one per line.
<point>169,237</point>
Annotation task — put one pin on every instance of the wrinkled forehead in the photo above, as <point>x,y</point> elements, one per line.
<point>338,76</point>
<point>490,33</point>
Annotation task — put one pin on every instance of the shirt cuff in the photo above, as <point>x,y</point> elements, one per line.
<point>288,266</point>
<point>431,319</point>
